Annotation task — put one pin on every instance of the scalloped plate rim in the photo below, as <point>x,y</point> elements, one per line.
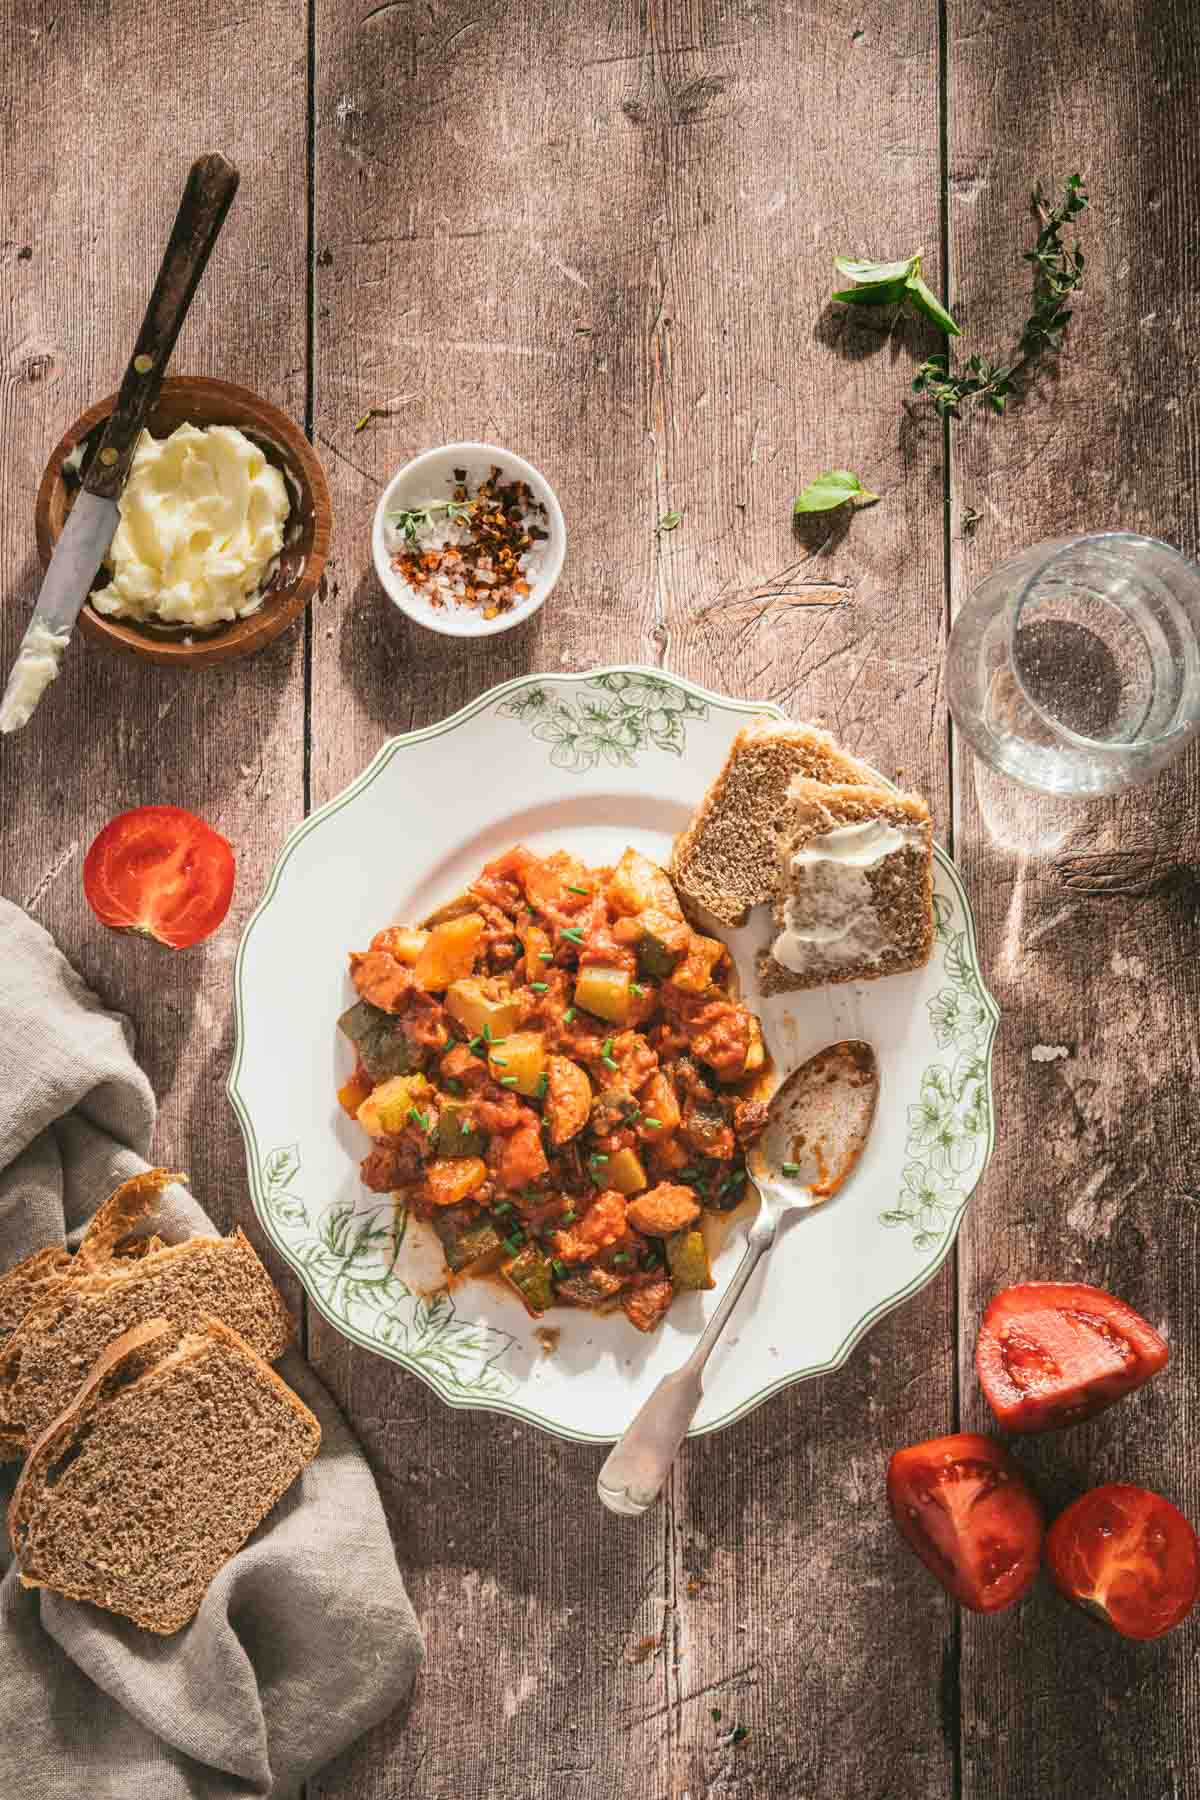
<point>492,1403</point>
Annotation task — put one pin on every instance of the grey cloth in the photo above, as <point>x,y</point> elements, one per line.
<point>306,1637</point>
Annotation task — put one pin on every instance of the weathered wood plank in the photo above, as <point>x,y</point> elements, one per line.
<point>787,1576</point>
<point>486,266</point>
<point>593,236</point>
<point>1088,914</point>
<point>85,209</point>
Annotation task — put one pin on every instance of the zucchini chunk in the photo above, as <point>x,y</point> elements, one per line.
<point>529,1272</point>
<point>688,1260</point>
<point>382,1046</point>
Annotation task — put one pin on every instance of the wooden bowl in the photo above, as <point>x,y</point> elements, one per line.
<point>200,400</point>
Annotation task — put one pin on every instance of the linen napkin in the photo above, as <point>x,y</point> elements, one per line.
<point>306,1637</point>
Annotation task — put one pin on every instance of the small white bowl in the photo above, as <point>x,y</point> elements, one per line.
<point>430,477</point>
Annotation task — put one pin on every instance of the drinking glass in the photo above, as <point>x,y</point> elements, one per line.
<point>1075,667</point>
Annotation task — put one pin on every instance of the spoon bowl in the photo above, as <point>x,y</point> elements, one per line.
<point>820,1119</point>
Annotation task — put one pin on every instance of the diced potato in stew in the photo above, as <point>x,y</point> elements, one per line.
<point>390,1108</point>
<point>482,1007</point>
<point>605,992</point>
<point>518,1061</point>
<point>552,1071</point>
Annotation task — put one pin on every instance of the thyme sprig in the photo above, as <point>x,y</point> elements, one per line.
<point>1057,274</point>
<point>420,518</point>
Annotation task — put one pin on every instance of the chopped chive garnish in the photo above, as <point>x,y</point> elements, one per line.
<point>487,1034</point>
<point>654,1124</point>
<point>542,1087</point>
<point>545,956</point>
<point>500,1061</point>
<point>572,889</point>
<point>599,1156</point>
<point>418,1117</point>
<point>508,1081</point>
<point>606,1047</point>
<point>502,1207</point>
<point>560,1269</point>
<point>635,987</point>
<point>514,1242</point>
<point>476,1044</point>
<point>574,934</point>
<point>790,1168</point>
<point>568,1015</point>
<point>608,1062</point>
<point>540,987</point>
<point>569,1217</point>
<point>622,1256</point>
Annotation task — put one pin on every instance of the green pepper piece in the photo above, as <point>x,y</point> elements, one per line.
<point>529,1272</point>
<point>687,1259</point>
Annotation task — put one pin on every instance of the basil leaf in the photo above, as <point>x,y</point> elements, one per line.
<point>874,293</point>
<point>926,301</point>
<point>873,271</point>
<point>831,489</point>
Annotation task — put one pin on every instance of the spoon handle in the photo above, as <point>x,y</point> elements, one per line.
<point>639,1463</point>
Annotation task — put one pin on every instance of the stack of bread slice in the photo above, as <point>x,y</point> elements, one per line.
<point>845,863</point>
<point>135,1379</point>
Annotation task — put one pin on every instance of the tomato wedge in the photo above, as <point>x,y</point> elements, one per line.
<point>161,871</point>
<point>1128,1557</point>
<point>1053,1352</point>
<point>966,1509</point>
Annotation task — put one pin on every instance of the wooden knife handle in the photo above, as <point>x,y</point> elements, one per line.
<point>211,184</point>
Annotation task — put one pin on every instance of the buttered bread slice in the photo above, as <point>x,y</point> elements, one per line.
<point>853,883</point>
<point>728,859</point>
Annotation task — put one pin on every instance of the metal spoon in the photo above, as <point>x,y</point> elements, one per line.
<point>819,1122</point>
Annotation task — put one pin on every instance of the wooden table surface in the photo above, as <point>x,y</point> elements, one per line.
<point>603,234</point>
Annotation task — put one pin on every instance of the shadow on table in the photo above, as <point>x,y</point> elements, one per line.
<point>405,676</point>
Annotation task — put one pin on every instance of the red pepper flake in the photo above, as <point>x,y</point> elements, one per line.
<point>487,570</point>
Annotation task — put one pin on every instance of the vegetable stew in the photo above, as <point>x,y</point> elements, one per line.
<point>552,1070</point>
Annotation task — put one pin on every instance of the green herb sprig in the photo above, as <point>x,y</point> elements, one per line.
<point>420,518</point>
<point>1058,273</point>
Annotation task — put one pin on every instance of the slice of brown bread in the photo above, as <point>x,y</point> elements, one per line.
<point>881,913</point>
<point>170,1454</point>
<point>44,1275</point>
<point>56,1344</point>
<point>727,859</point>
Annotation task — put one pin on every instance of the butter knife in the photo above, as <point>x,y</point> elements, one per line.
<point>211,184</point>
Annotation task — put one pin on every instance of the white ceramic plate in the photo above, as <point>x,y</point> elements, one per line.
<point>590,763</point>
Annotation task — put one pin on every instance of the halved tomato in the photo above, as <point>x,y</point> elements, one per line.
<point>1053,1352</point>
<point>968,1512</point>
<point>161,871</point>
<point>1128,1557</point>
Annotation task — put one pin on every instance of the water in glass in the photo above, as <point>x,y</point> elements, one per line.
<point>1075,667</point>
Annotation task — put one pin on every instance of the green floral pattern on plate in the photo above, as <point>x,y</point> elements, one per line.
<point>347,1260</point>
<point>949,1124</point>
<point>628,712</point>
